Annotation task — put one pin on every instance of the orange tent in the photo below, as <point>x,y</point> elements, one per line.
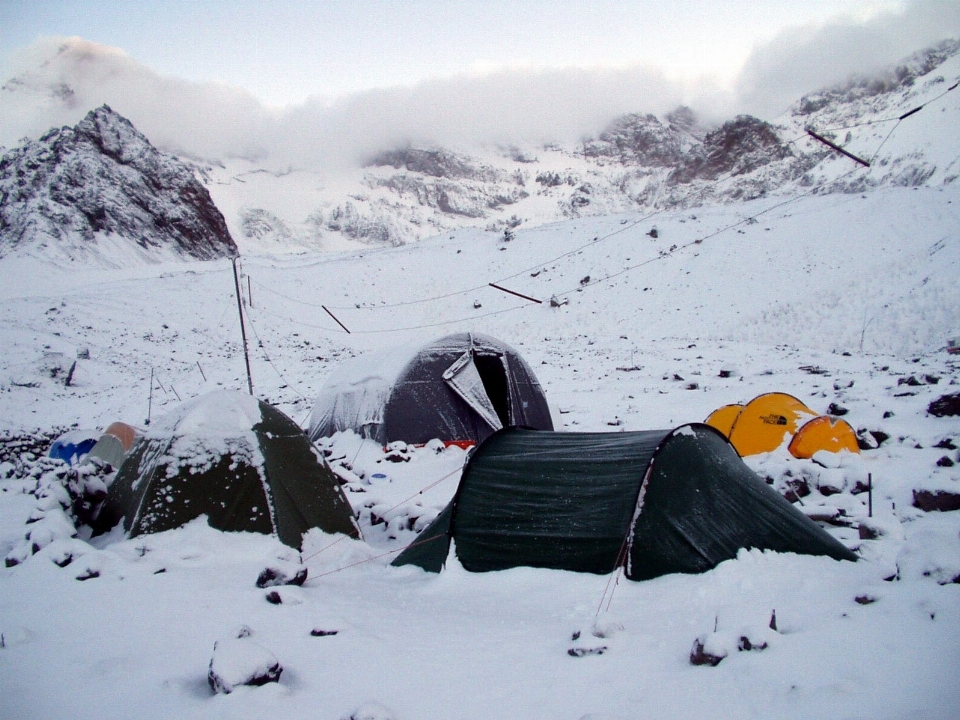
<point>724,417</point>
<point>767,421</point>
<point>823,433</point>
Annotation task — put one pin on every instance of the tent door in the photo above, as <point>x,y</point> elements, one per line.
<point>464,379</point>
<point>493,373</point>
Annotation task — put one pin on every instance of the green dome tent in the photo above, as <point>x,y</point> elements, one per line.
<point>657,502</point>
<point>237,460</point>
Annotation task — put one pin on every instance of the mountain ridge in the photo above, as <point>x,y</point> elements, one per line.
<point>71,193</point>
<point>639,163</point>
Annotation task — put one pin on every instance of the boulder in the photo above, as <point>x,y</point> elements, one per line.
<point>945,405</point>
<point>240,661</point>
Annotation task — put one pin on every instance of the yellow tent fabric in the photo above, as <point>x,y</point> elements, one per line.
<point>823,433</point>
<point>767,421</point>
<point>723,418</point>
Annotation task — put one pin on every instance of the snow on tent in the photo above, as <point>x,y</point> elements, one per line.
<point>460,389</point>
<point>770,420</point>
<point>237,460</point>
<point>823,433</point>
<point>114,444</point>
<point>73,446</point>
<point>656,502</point>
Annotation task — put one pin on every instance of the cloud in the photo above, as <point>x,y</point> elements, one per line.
<point>58,80</point>
<point>806,59</point>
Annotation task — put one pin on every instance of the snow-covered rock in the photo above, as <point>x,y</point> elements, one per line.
<point>240,661</point>
<point>100,192</point>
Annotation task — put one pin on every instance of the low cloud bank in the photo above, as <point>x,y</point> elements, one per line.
<point>58,80</point>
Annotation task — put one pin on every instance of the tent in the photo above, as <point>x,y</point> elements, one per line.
<point>73,446</point>
<point>724,417</point>
<point>823,433</point>
<point>460,389</point>
<point>656,502</point>
<point>237,460</point>
<point>768,421</point>
<point>114,444</point>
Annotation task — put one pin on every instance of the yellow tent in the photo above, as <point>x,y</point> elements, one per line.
<point>767,421</point>
<point>823,433</point>
<point>724,417</point>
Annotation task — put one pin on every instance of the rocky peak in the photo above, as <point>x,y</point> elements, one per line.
<point>104,178</point>
<point>638,139</point>
<point>437,163</point>
<point>737,147</point>
<point>902,75</point>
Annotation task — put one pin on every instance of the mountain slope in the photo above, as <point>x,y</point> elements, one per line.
<point>638,163</point>
<point>100,190</point>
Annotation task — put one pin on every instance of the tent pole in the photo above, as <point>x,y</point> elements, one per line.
<point>150,397</point>
<point>243,330</point>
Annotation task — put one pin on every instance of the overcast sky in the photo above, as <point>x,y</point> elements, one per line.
<point>365,72</point>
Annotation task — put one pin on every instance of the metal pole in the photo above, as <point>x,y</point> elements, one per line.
<point>869,494</point>
<point>150,400</point>
<point>243,330</point>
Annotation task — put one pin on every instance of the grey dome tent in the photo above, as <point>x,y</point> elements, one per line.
<point>656,502</point>
<point>460,389</point>
<point>236,459</point>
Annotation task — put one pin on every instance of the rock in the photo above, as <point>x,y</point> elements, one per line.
<point>103,178</point>
<point>699,656</point>
<point>606,627</point>
<point>835,409</point>
<point>273,576</point>
<point>832,481</point>
<point>273,597</point>
<point>583,652</point>
<point>945,405</point>
<point>746,644</point>
<point>936,500</point>
<point>945,462</point>
<point>319,632</point>
<point>865,599</point>
<point>794,488</point>
<point>371,711</point>
<point>240,661</point>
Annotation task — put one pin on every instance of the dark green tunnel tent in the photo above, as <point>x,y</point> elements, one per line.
<point>237,460</point>
<point>658,502</point>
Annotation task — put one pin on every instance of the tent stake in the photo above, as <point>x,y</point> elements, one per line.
<point>243,330</point>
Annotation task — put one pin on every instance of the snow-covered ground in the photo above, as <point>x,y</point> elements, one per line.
<point>845,299</point>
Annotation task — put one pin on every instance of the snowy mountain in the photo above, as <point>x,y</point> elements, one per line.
<point>101,193</point>
<point>835,283</point>
<point>638,163</point>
